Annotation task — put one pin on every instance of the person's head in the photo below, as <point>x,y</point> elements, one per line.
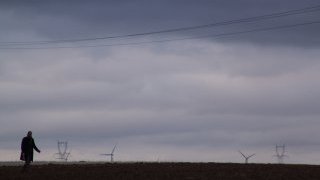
<point>29,134</point>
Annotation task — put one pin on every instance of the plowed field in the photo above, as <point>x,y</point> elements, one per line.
<point>163,171</point>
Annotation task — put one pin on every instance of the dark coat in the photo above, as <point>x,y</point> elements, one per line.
<point>27,146</point>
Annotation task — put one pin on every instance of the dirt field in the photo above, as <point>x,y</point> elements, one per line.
<point>163,171</point>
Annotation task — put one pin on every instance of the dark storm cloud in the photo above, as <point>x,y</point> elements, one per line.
<point>85,19</point>
<point>176,96</point>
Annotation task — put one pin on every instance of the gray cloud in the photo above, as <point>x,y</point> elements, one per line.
<point>176,97</point>
<point>75,19</point>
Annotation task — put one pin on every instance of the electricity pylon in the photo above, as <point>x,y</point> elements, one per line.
<point>62,151</point>
<point>280,153</point>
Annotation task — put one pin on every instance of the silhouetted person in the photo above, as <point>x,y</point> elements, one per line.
<point>27,146</point>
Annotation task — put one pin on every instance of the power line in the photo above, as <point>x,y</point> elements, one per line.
<point>222,23</point>
<point>170,40</point>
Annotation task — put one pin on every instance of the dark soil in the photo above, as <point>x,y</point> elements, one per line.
<point>163,171</point>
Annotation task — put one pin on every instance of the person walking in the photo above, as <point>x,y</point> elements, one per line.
<point>27,146</point>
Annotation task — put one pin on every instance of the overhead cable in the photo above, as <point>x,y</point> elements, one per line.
<point>215,24</point>
<point>170,40</point>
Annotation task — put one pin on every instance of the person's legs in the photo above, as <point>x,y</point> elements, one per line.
<point>26,164</point>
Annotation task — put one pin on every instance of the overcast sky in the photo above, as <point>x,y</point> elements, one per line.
<point>191,97</point>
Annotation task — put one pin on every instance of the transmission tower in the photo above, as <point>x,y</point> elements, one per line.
<point>280,153</point>
<point>62,151</point>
